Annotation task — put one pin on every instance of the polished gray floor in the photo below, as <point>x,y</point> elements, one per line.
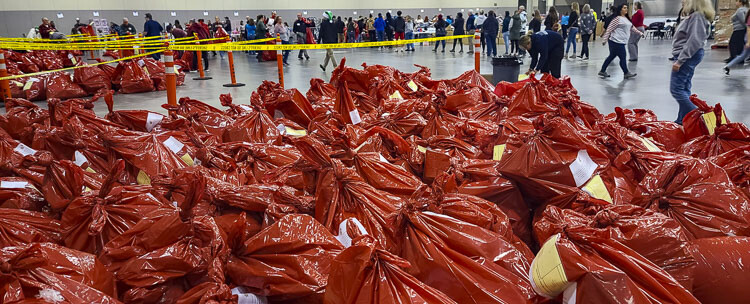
<point>649,90</point>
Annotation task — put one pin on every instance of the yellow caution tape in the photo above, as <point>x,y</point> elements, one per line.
<point>112,45</point>
<point>80,66</point>
<point>285,47</point>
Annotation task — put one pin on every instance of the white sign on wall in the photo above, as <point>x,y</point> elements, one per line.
<point>60,16</point>
<point>96,14</point>
<point>135,14</point>
<point>205,13</point>
<point>173,14</point>
<point>236,14</point>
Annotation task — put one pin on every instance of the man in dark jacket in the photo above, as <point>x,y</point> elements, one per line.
<point>328,34</point>
<point>470,28</point>
<point>227,25</point>
<point>300,33</point>
<point>152,29</point>
<point>458,29</point>
<point>389,27</point>
<point>490,28</point>
<point>546,50</point>
<point>340,30</point>
<point>195,28</point>
<point>399,26</point>
<point>126,28</point>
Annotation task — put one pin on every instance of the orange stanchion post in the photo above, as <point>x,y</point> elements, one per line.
<point>477,48</point>
<point>140,36</point>
<point>231,70</point>
<point>4,84</point>
<point>171,77</point>
<point>201,73</point>
<point>119,51</point>
<point>280,61</point>
<point>136,47</point>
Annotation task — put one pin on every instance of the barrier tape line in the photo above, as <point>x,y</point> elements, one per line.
<point>107,44</point>
<point>79,66</point>
<point>75,37</point>
<point>285,47</point>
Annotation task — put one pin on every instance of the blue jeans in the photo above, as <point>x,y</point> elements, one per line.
<point>573,31</point>
<point>286,53</point>
<point>506,38</point>
<point>740,58</point>
<point>437,43</point>
<point>616,50</point>
<point>381,35</point>
<point>409,36</point>
<point>491,43</point>
<point>681,82</point>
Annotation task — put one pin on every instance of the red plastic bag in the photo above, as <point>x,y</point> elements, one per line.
<point>704,119</point>
<point>726,137</point>
<point>667,133</point>
<point>532,100</point>
<point>60,85</point>
<point>737,165</point>
<point>134,78</point>
<point>51,273</point>
<point>697,194</point>
<point>365,273</point>
<point>21,227</point>
<point>35,88</point>
<point>290,104</point>
<point>92,79</point>
<point>20,193</point>
<point>722,272</point>
<point>20,116</point>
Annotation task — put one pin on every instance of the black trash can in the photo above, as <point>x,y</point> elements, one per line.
<point>505,68</point>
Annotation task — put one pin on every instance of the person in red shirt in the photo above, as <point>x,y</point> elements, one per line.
<point>221,33</point>
<point>637,20</point>
<point>45,29</point>
<point>200,30</point>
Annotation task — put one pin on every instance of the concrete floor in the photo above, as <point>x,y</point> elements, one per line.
<point>649,90</point>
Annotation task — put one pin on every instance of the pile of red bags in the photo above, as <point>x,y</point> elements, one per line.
<point>378,186</point>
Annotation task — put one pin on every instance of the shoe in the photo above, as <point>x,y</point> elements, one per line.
<point>453,51</point>
<point>322,68</point>
<point>632,59</point>
<point>566,56</point>
<point>434,50</point>
<point>672,58</point>
<point>461,52</point>
<point>603,74</point>
<point>443,51</point>
<point>300,57</point>
<point>630,75</point>
<point>585,58</point>
<point>206,70</point>
<point>286,63</point>
<point>580,56</point>
<point>728,60</point>
<point>307,57</point>
<point>726,71</point>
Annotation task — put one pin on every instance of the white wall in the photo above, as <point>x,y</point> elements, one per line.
<point>144,5</point>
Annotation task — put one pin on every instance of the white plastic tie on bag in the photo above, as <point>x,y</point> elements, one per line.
<point>153,120</point>
<point>50,295</point>
<point>344,237</point>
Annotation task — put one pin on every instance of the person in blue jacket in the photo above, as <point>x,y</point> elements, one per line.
<point>546,49</point>
<point>379,25</point>
<point>152,28</point>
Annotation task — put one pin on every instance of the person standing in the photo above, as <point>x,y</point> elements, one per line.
<point>379,25</point>
<point>261,32</point>
<point>282,31</point>
<point>745,52</point>
<point>564,25</point>
<point>300,33</point>
<point>506,31</point>
<point>490,28</point>
<point>618,35</point>
<point>177,24</point>
<point>524,21</point>
<point>389,21</point>
<point>340,34</point>
<point>327,35</point>
<point>470,28</point>
<point>217,24</point>
<point>227,25</point>
<point>588,26</point>
<point>546,51</point>
<point>637,20</point>
<point>126,28</point>
<point>458,30</point>
<point>221,33</point>
<point>250,31</point>
<point>536,22</point>
<point>572,30</point>
<point>351,30</point>
<point>478,21</point>
<point>739,30</point>
<point>440,31</point>
<point>150,29</point>
<point>687,47</point>
<point>371,29</point>
<point>409,26</point>
<point>196,29</point>
<point>399,28</point>
<point>515,32</point>
<point>551,19</point>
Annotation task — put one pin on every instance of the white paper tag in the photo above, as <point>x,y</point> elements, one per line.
<point>354,115</point>
<point>153,120</point>
<point>24,149</point>
<point>13,185</point>
<point>79,159</point>
<point>245,107</point>
<point>141,63</point>
<point>344,237</point>
<point>174,144</point>
<point>582,168</point>
<point>382,159</point>
<point>245,297</point>
<point>281,128</point>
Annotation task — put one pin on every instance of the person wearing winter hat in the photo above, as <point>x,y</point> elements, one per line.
<point>328,34</point>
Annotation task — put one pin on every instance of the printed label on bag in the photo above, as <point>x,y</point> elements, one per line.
<point>422,149</point>
<point>709,119</point>
<point>173,144</point>
<point>142,178</point>
<point>396,95</point>
<point>79,159</point>
<point>188,160</point>
<point>141,63</point>
<point>28,85</point>
<point>650,145</point>
<point>18,84</point>
<point>177,69</point>
<point>413,86</point>
<point>354,115</point>
<point>153,120</point>
<point>497,152</point>
<point>24,149</point>
<point>547,274</point>
<point>294,132</point>
<point>344,237</point>
<point>582,168</point>
<point>597,189</point>
<point>89,169</point>
<point>72,58</point>
<point>281,128</point>
<point>13,185</point>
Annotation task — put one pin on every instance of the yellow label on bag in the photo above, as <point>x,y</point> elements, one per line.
<point>27,85</point>
<point>412,85</point>
<point>522,77</point>
<point>176,71</point>
<point>188,160</point>
<point>497,152</point>
<point>547,274</point>
<point>142,178</point>
<point>596,188</point>
<point>18,84</point>
<point>90,170</point>
<point>709,119</point>
<point>73,60</point>
<point>396,95</point>
<point>650,145</point>
<point>422,149</point>
<point>294,132</point>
